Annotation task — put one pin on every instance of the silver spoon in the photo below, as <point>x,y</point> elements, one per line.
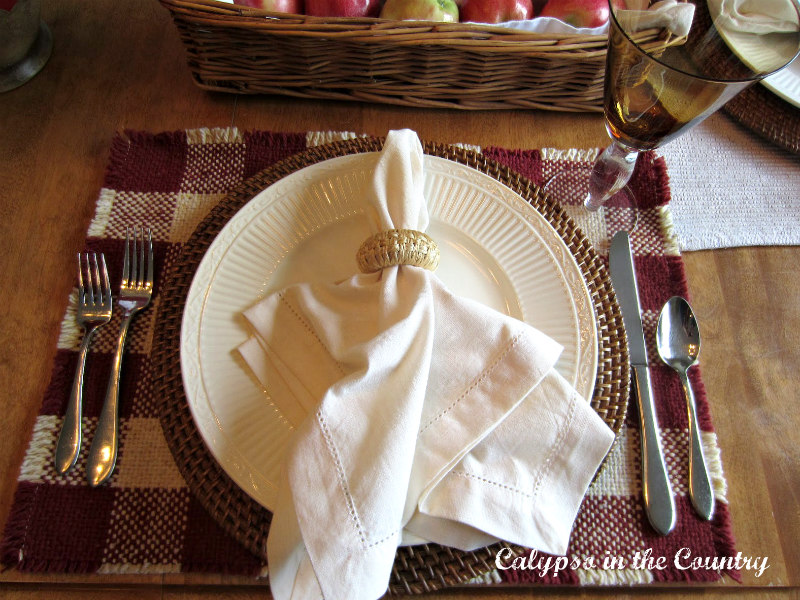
<point>678,341</point>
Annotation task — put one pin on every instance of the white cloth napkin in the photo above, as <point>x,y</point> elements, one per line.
<point>420,416</point>
<point>755,16</point>
<point>675,16</point>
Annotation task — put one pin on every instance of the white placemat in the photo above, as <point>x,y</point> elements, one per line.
<point>731,188</point>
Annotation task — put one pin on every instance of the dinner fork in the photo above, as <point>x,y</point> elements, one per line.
<point>93,311</point>
<point>134,294</point>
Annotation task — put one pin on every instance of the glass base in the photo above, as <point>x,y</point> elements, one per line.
<point>14,76</point>
<point>570,186</point>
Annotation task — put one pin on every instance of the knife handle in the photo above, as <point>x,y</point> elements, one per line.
<point>658,501</point>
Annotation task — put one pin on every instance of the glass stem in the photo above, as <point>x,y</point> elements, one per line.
<point>611,171</point>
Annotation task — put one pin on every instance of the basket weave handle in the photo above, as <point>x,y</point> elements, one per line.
<point>398,247</point>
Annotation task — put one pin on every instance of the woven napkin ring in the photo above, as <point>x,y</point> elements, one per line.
<point>398,247</point>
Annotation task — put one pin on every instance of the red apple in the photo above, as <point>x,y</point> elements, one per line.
<point>420,10</point>
<point>495,11</point>
<point>580,13</point>
<point>294,7</point>
<point>343,8</point>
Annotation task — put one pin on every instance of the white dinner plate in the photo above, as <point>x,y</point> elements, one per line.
<point>786,84</point>
<point>494,246</point>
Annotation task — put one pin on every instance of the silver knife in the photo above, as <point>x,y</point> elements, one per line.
<point>658,501</point>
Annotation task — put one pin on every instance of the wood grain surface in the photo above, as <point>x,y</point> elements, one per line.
<point>120,65</point>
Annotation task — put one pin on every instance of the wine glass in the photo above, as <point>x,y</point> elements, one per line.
<point>655,89</point>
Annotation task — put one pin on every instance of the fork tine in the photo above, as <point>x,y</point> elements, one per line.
<point>97,296</point>
<point>149,281</point>
<point>134,256</point>
<point>106,285</point>
<point>140,280</point>
<point>88,296</point>
<point>126,260</point>
<point>80,280</point>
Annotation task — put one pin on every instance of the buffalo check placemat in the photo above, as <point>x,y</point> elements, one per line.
<point>146,520</point>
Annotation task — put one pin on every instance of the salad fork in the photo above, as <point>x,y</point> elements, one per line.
<point>135,293</point>
<point>93,311</point>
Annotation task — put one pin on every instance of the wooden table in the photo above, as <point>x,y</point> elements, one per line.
<point>120,65</point>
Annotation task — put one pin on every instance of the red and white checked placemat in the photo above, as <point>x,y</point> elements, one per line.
<point>145,520</point>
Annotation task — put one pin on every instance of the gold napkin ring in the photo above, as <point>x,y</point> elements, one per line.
<point>398,247</point>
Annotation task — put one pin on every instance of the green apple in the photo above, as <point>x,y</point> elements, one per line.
<point>420,10</point>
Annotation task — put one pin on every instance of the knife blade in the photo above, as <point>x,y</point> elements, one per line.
<point>658,500</point>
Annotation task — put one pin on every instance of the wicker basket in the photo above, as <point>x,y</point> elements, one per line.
<point>247,51</point>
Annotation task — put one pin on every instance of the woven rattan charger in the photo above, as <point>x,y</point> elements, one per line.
<point>417,569</point>
<point>771,117</point>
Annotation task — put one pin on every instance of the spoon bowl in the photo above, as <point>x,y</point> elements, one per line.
<point>677,335</point>
<point>678,343</point>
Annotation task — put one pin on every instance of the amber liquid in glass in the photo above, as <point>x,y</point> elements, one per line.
<point>648,104</point>
<point>641,117</point>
